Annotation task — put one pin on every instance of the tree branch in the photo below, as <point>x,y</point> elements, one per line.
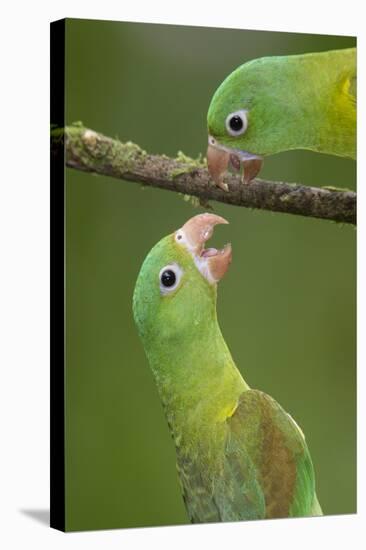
<point>90,151</point>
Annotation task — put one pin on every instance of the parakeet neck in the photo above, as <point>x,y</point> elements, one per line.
<point>197,379</point>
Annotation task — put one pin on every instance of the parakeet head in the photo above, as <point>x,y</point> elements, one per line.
<point>175,293</point>
<point>252,114</point>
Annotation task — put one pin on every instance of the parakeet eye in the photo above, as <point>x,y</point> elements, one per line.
<point>169,278</point>
<point>237,123</point>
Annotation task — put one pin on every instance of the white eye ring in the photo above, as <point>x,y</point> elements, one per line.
<point>169,278</point>
<point>180,236</point>
<point>241,123</point>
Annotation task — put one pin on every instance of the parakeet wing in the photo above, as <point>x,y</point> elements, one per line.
<point>268,471</point>
<point>353,88</point>
<point>348,88</point>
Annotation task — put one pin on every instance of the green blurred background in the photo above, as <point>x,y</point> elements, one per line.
<point>286,307</point>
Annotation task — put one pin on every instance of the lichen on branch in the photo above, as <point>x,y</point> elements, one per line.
<point>91,151</point>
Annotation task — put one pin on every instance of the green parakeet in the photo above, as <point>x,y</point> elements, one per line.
<point>240,456</point>
<point>275,104</point>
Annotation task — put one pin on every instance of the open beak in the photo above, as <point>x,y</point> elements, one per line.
<point>211,262</point>
<point>219,157</point>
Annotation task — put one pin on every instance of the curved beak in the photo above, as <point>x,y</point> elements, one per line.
<point>219,157</point>
<point>217,164</point>
<point>211,262</point>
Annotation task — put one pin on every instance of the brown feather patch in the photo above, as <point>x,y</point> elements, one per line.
<point>278,467</point>
<point>262,421</point>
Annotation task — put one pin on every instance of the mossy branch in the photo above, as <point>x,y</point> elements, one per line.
<point>90,151</point>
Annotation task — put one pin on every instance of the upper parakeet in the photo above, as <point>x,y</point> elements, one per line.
<point>240,456</point>
<point>275,104</point>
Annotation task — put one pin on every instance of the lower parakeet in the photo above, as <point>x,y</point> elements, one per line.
<point>240,456</point>
<point>279,103</point>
